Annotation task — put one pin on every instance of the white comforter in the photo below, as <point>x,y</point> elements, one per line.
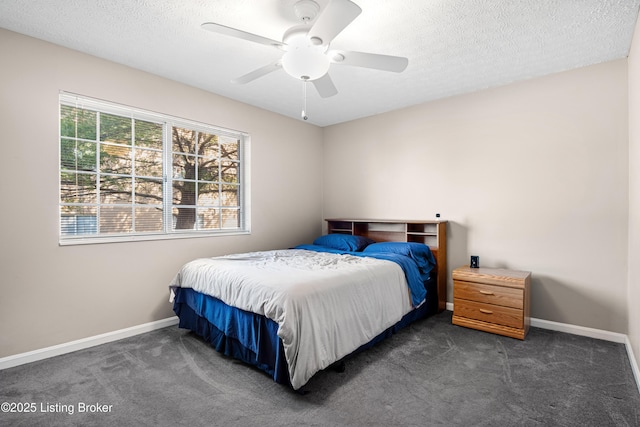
<point>326,305</point>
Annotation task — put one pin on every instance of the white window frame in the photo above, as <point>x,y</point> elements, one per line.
<point>168,122</point>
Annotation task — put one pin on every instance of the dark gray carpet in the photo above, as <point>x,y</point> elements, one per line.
<point>432,373</point>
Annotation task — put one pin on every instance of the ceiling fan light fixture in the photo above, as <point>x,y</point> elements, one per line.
<point>306,64</point>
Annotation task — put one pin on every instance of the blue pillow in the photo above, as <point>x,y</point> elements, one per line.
<point>343,242</point>
<point>419,252</point>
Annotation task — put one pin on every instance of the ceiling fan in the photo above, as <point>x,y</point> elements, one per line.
<point>307,55</point>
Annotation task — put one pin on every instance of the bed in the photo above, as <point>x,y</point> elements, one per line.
<point>294,312</point>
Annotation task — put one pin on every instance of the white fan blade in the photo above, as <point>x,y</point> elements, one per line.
<point>262,71</point>
<point>335,18</point>
<point>233,32</point>
<point>397,64</point>
<point>325,87</point>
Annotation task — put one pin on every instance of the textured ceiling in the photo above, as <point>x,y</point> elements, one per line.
<point>453,46</point>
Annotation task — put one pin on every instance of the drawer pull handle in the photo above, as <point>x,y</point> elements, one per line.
<point>482,310</point>
<point>486,292</point>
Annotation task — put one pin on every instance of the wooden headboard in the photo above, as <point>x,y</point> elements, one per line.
<point>431,233</point>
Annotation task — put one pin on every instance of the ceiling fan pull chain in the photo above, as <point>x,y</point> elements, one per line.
<point>304,96</point>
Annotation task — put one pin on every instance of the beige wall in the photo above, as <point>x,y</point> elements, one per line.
<point>52,294</point>
<point>531,176</point>
<point>634,195</point>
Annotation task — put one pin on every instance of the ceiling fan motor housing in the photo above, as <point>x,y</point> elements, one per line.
<point>306,10</point>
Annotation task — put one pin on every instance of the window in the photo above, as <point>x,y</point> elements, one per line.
<point>128,174</point>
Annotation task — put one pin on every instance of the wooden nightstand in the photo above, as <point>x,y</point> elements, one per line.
<point>492,300</point>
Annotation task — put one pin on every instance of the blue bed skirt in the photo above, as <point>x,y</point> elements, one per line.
<point>253,338</point>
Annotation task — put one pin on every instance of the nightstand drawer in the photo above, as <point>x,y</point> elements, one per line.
<point>490,294</point>
<point>488,313</point>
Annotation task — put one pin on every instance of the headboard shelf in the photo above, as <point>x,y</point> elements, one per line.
<point>432,233</point>
<point>343,227</point>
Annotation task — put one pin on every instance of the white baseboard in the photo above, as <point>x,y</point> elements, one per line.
<point>587,332</point>
<point>579,330</point>
<point>634,364</point>
<point>57,350</point>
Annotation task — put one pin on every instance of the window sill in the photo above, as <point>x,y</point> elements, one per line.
<point>87,240</point>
